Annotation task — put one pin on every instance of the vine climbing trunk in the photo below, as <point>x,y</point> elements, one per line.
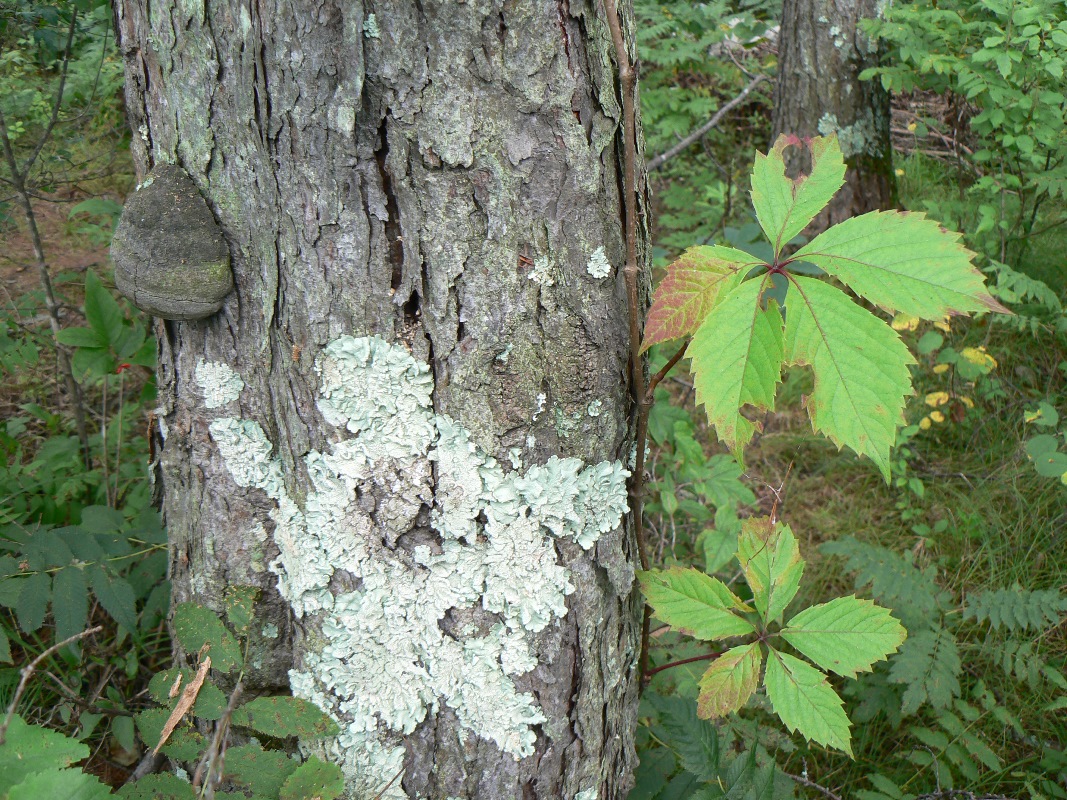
<point>821,54</point>
<point>410,423</point>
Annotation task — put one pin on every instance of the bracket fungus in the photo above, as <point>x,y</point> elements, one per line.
<point>171,259</point>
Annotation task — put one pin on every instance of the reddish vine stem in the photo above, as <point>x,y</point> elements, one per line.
<point>627,85</point>
<point>681,661</point>
<point>659,376</point>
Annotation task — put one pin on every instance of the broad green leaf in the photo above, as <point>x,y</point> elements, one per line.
<point>5,647</point>
<point>64,784</point>
<point>689,290</point>
<point>116,596</point>
<point>860,366</point>
<point>771,562</point>
<point>903,262</point>
<point>285,716</point>
<point>241,606</point>
<point>846,635</point>
<point>196,626</point>
<point>314,778</point>
<point>730,681</point>
<point>101,311</point>
<point>694,603</point>
<point>801,696</point>
<point>737,361</point>
<point>184,744</point>
<point>719,547</point>
<point>262,771</point>
<point>784,207</point>
<point>70,602</point>
<point>80,337</point>
<point>210,701</point>
<point>33,601</point>
<point>165,786</point>
<point>30,748</point>
<point>123,730</point>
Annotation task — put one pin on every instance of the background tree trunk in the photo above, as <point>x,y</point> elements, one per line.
<point>403,185</point>
<point>820,56</point>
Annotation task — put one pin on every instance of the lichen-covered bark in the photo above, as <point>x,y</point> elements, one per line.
<point>443,178</point>
<point>821,53</point>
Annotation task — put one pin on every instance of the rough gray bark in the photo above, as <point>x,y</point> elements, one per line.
<point>821,53</point>
<point>439,174</point>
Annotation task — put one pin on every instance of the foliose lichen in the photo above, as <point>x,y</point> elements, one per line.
<point>219,384</point>
<point>542,271</point>
<point>370,27</point>
<point>599,266</point>
<point>383,660</point>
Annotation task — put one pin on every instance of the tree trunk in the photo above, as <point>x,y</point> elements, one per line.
<point>409,423</point>
<point>821,53</point>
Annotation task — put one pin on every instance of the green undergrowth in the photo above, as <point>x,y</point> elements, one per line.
<point>981,520</point>
<point>966,516</point>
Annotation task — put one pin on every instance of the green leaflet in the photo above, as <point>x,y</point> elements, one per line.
<point>784,207</point>
<point>729,682</point>
<point>689,290</point>
<point>262,771</point>
<point>902,261</point>
<point>31,749</point>
<point>860,365</point>
<point>801,696</point>
<point>737,361</point>
<point>845,635</point>
<point>285,716</point>
<point>694,603</point>
<point>771,561</point>
<point>196,626</point>
<point>314,778</point>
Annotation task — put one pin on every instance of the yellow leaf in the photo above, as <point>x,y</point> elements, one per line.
<point>940,369</point>
<point>937,416</point>
<point>935,399</point>
<point>905,322</point>
<point>979,357</point>
<point>943,325</point>
<point>967,401</point>
<point>925,423</point>
<point>911,127</point>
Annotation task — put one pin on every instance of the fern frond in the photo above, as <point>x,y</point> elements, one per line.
<point>1016,609</point>
<point>929,664</point>
<point>1021,661</point>
<point>893,579</point>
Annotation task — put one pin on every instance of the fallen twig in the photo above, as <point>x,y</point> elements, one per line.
<point>28,670</point>
<point>696,135</point>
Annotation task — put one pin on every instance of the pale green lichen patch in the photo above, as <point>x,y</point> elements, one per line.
<point>599,266</point>
<point>218,383</point>
<point>379,657</point>
<point>856,138</point>
<point>543,271</point>
<point>370,27</point>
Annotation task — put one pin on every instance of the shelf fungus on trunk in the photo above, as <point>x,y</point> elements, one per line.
<point>171,259</point>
